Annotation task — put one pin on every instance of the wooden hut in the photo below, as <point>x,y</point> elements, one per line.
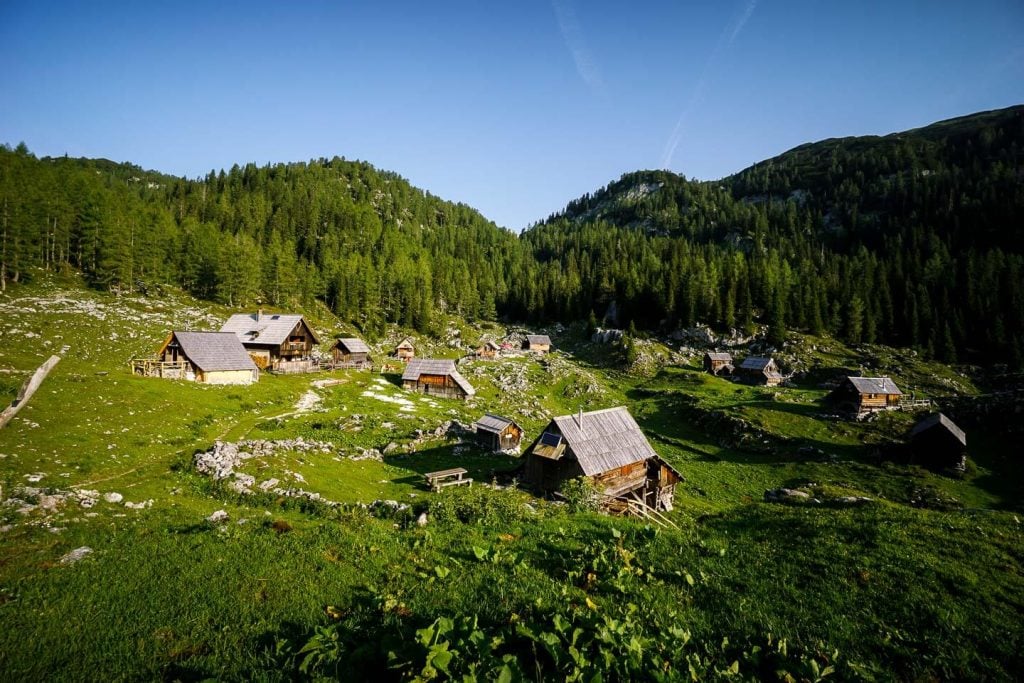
<point>208,357</point>
<point>937,442</point>
<point>537,343</point>
<point>489,350</point>
<point>759,370</point>
<point>498,433</point>
<point>607,447</point>
<point>717,363</point>
<point>278,341</point>
<point>405,351</point>
<point>436,378</point>
<point>351,352</point>
<point>859,395</point>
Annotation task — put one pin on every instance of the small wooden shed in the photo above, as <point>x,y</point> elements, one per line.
<point>498,433</point>
<point>937,442</point>
<point>405,351</point>
<point>351,352</point>
<point>860,395</point>
<point>607,447</point>
<point>278,341</point>
<point>537,343</point>
<point>208,357</point>
<point>759,370</point>
<point>489,350</point>
<point>716,363</point>
<point>436,378</point>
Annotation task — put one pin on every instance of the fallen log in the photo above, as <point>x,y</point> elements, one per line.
<point>27,389</point>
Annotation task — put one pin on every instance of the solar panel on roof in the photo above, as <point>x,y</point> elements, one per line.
<point>549,439</point>
<point>275,317</point>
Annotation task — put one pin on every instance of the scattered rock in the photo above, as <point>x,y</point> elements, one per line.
<point>784,495</point>
<point>422,519</point>
<point>75,555</point>
<point>218,517</point>
<point>113,497</point>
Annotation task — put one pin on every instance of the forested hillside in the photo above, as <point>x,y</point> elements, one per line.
<point>372,246</point>
<point>911,239</point>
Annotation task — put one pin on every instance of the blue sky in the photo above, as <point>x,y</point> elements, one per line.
<point>512,108</point>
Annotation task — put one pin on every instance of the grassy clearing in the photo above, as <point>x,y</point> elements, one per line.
<point>907,587</point>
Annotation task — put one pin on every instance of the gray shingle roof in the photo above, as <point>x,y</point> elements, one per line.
<point>874,385</point>
<point>609,439</point>
<point>353,345</point>
<point>405,344</point>
<point>430,366</point>
<point>936,419</point>
<point>271,328</point>
<point>758,363</point>
<point>213,351</point>
<point>493,423</point>
<point>719,356</point>
<point>538,339</point>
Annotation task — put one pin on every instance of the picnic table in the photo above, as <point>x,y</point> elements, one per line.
<point>453,477</point>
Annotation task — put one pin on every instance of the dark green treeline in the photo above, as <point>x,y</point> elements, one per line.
<point>913,239</point>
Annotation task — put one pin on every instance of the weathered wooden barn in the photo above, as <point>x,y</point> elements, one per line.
<point>607,447</point>
<point>537,343</point>
<point>276,341</point>
<point>859,395</point>
<point>937,442</point>
<point>405,350</point>
<point>759,370</point>
<point>351,352</point>
<point>490,350</point>
<point>498,433</point>
<point>717,363</point>
<point>436,378</point>
<point>208,357</point>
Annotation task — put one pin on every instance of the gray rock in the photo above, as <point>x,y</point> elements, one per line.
<point>218,517</point>
<point>112,497</point>
<point>75,555</point>
<point>422,519</point>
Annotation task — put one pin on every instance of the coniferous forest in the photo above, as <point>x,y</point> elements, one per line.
<point>913,239</point>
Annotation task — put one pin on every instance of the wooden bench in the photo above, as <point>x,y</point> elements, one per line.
<point>453,477</point>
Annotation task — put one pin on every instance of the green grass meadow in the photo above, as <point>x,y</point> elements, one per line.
<point>925,582</point>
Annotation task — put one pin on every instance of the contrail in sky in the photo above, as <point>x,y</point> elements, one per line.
<point>572,34</point>
<point>725,40</point>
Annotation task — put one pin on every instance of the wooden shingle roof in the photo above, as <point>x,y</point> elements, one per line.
<point>937,420</point>
<point>875,385</point>
<point>213,351</point>
<point>609,439</point>
<point>405,344</point>
<point>265,328</point>
<point>757,363</point>
<point>353,345</point>
<point>493,423</point>
<point>538,339</point>
<point>714,355</point>
<point>430,366</point>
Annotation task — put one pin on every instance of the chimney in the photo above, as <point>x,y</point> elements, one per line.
<point>259,314</point>
<point>579,420</point>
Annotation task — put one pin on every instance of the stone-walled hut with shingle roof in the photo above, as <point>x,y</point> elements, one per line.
<point>209,357</point>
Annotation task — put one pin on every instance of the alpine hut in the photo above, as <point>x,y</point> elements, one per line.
<point>716,363</point>
<point>537,343</point>
<point>607,447</point>
<point>436,378</point>
<point>351,352</point>
<point>281,342</point>
<point>760,370</point>
<point>498,433</point>
<point>489,350</point>
<point>937,442</point>
<point>208,357</point>
<point>405,351</point>
<point>859,395</point>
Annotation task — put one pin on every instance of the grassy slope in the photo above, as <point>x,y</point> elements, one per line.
<point>912,592</point>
